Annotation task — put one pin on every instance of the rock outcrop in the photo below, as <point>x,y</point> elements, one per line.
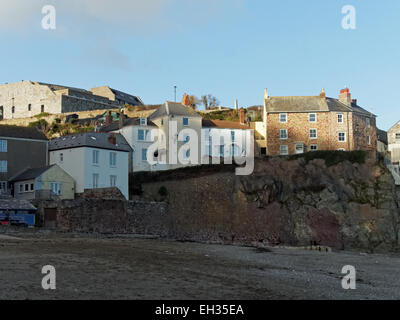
<point>298,203</point>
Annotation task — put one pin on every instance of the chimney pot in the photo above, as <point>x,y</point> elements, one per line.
<point>242,116</point>
<point>112,139</point>
<point>345,96</point>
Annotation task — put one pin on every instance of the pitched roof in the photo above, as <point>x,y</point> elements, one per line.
<point>14,204</point>
<point>382,136</point>
<point>92,139</point>
<point>127,123</point>
<point>174,109</point>
<point>21,132</point>
<point>222,124</point>
<point>310,104</point>
<point>31,173</point>
<point>135,101</point>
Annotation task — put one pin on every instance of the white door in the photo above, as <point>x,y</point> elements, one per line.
<point>299,148</point>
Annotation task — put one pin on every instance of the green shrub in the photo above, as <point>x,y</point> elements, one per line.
<point>42,115</point>
<point>333,157</point>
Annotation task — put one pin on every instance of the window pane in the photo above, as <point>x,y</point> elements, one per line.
<point>141,135</point>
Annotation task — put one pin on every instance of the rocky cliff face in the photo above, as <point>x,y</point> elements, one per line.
<point>345,206</point>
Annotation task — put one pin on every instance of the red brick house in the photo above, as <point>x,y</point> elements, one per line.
<point>308,123</point>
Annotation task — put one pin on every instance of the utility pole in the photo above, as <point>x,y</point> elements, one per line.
<point>175,92</point>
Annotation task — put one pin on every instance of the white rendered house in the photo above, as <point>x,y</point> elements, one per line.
<point>94,160</point>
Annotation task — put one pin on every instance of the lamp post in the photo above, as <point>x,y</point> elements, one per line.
<point>175,92</point>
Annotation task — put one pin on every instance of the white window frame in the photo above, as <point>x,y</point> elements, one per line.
<point>95,180</point>
<point>113,159</point>
<point>286,132</point>
<point>316,134</point>
<point>143,121</point>
<point>222,151</point>
<point>113,181</point>
<point>309,118</point>
<point>286,147</point>
<point>342,118</point>
<point>345,136</point>
<point>144,155</point>
<point>55,188</point>
<point>368,122</point>
<point>95,157</point>
<point>286,117</point>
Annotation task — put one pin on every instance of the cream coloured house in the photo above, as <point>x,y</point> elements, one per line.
<point>94,160</point>
<point>45,183</point>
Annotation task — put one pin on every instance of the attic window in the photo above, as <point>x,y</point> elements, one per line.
<point>143,121</point>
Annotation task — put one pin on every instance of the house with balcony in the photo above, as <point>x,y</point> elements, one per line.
<point>46,183</point>
<point>298,124</point>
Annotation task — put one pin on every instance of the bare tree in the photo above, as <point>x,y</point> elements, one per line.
<point>209,101</point>
<point>194,101</point>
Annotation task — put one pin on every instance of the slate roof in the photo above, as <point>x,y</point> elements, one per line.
<point>127,123</point>
<point>92,140</point>
<point>311,104</point>
<point>14,204</point>
<point>222,124</point>
<point>382,136</point>
<point>175,109</point>
<point>55,87</point>
<point>31,174</point>
<point>21,132</point>
<point>135,101</point>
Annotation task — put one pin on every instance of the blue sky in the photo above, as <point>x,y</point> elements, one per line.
<point>229,48</point>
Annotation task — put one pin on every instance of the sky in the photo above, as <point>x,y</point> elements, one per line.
<point>228,48</point>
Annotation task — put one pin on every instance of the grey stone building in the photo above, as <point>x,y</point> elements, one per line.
<point>20,148</point>
<point>27,99</point>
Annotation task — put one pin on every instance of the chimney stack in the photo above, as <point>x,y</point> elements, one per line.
<point>322,94</point>
<point>121,119</point>
<point>109,118</point>
<point>345,96</point>
<point>242,116</point>
<point>354,101</point>
<point>186,100</point>
<point>112,139</point>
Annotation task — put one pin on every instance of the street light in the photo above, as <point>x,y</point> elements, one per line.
<point>175,92</point>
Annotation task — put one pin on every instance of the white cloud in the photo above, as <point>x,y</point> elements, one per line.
<point>104,54</point>
<point>124,15</point>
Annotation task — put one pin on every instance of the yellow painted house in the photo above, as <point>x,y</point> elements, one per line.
<point>44,183</point>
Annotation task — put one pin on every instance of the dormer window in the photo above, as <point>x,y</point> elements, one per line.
<point>143,121</point>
